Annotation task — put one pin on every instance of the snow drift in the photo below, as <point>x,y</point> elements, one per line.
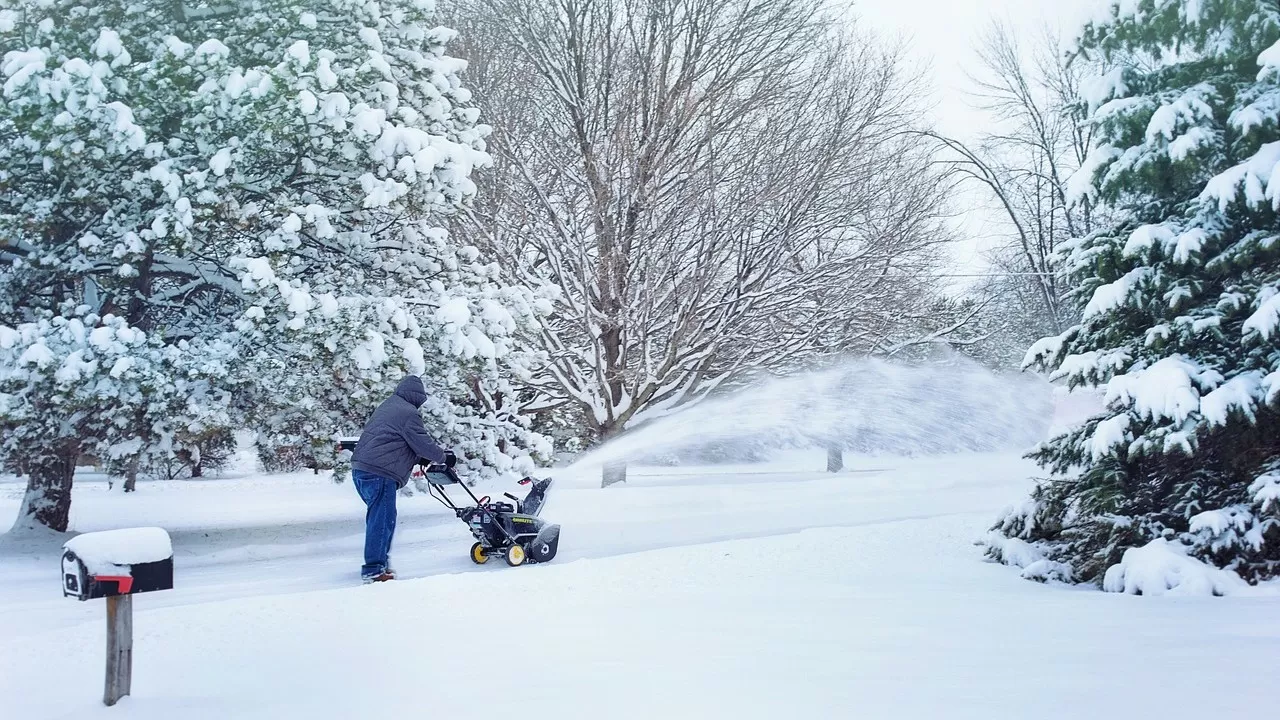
<point>1162,567</point>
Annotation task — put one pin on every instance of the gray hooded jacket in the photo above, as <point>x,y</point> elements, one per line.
<point>395,438</point>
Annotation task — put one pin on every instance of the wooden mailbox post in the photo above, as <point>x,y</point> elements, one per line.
<point>116,565</point>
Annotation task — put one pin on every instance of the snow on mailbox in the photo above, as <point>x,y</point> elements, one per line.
<point>117,562</point>
<point>116,565</point>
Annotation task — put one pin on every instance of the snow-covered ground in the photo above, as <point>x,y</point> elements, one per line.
<point>762,591</point>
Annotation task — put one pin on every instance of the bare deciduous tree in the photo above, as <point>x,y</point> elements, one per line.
<point>712,185</point>
<point>1039,141</point>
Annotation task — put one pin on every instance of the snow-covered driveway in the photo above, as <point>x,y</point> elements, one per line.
<point>293,533</point>
<point>715,593</point>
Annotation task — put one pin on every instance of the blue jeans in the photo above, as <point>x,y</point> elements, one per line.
<point>379,494</point>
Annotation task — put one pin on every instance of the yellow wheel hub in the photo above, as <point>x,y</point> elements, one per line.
<point>515,555</point>
<point>478,555</point>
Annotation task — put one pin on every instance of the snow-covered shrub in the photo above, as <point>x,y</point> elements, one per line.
<point>1180,301</point>
<point>1028,556</point>
<point>276,455</point>
<point>211,450</point>
<point>267,180</point>
<point>196,453</point>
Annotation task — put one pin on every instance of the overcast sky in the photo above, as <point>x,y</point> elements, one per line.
<point>944,33</point>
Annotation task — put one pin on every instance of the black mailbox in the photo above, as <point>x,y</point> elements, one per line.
<point>116,565</point>
<point>117,562</point>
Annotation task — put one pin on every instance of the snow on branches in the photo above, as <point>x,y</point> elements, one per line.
<point>80,383</point>
<point>273,182</point>
<point>753,205</point>
<point>1181,317</point>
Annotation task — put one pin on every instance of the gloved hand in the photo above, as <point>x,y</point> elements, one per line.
<point>450,459</point>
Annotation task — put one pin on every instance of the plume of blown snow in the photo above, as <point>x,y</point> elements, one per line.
<point>864,406</point>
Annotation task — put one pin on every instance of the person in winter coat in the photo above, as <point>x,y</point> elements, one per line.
<point>392,442</point>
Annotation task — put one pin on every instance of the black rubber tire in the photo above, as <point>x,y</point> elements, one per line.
<point>478,555</point>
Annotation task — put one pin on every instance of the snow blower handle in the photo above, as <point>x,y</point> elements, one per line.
<point>513,498</point>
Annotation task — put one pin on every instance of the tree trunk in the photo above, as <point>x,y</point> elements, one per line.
<point>131,476</point>
<point>48,498</point>
<point>835,457</point>
<point>614,472</point>
<point>197,470</point>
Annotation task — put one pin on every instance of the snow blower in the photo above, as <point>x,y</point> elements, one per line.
<point>512,530</point>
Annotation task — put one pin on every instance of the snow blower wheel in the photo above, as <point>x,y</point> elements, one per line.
<point>515,555</point>
<point>478,555</point>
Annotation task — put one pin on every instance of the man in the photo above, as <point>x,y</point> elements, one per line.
<point>392,442</point>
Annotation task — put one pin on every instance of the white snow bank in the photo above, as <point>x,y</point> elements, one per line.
<point>1022,554</point>
<point>903,622</point>
<point>102,552</point>
<point>1164,568</point>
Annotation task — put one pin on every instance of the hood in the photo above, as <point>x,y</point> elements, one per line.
<point>412,389</point>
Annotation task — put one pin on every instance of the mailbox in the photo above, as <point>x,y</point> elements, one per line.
<point>116,565</point>
<point>117,562</point>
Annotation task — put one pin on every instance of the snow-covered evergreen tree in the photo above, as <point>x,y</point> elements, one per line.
<point>252,194</point>
<point>1181,304</point>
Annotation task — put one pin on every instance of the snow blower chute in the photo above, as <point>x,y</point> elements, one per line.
<point>512,530</point>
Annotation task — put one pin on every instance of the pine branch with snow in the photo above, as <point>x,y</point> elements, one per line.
<point>272,182</point>
<point>1179,302</point>
<point>94,385</point>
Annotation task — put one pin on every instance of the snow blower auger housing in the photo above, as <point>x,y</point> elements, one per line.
<point>511,530</point>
